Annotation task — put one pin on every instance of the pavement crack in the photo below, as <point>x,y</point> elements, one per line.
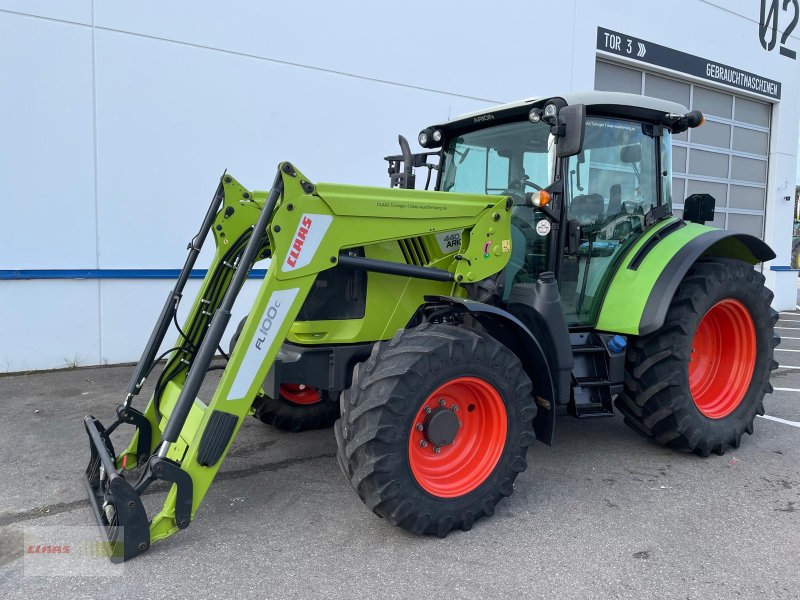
<point>49,510</point>
<point>270,467</point>
<point>41,511</point>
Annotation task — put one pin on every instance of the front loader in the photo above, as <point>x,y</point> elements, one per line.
<point>443,330</point>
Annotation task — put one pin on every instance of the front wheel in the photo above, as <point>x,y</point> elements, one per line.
<point>435,428</point>
<point>698,382</point>
<point>298,408</point>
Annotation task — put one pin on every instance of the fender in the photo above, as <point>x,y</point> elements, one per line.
<point>642,289</point>
<point>514,334</point>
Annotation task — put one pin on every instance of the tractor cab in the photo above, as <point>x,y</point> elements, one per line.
<point>588,174</point>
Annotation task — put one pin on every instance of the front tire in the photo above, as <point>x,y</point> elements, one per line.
<point>698,382</point>
<point>435,428</point>
<point>298,408</point>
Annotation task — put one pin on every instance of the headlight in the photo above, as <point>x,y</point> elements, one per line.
<point>535,115</point>
<point>423,139</point>
<point>437,136</point>
<point>550,110</point>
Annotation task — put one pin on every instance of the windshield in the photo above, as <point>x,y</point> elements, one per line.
<point>500,159</point>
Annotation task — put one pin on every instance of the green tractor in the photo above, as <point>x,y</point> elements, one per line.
<point>441,331</point>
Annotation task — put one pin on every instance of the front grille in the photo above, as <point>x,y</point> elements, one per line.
<point>414,252</point>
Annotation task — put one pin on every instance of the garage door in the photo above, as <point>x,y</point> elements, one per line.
<point>726,157</point>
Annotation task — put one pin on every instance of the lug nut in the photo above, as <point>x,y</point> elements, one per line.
<point>441,401</point>
<point>427,410</point>
<point>423,444</point>
<point>455,408</point>
<point>419,427</point>
<point>437,449</point>
<point>460,424</point>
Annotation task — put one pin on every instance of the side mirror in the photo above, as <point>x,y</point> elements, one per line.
<point>631,154</point>
<point>699,208</point>
<point>572,122</point>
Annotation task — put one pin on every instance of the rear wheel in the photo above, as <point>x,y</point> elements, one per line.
<point>697,383</point>
<point>435,428</point>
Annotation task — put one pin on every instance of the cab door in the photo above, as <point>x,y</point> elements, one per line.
<point>609,188</point>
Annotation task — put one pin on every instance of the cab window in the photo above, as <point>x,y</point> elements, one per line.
<point>611,186</point>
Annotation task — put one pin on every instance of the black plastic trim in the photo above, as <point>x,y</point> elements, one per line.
<point>648,246</point>
<point>216,435</point>
<point>323,367</point>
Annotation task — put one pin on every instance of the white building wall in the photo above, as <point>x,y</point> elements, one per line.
<point>117,117</point>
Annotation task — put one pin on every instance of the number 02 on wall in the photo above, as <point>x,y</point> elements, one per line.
<point>768,24</point>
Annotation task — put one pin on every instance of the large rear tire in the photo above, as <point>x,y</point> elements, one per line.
<point>796,255</point>
<point>698,382</point>
<point>435,428</point>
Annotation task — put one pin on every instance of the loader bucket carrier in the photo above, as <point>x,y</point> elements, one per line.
<point>182,440</point>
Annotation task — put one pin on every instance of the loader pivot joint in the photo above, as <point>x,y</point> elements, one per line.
<point>131,416</point>
<point>167,470</point>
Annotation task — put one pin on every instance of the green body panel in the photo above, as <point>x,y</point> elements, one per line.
<point>629,290</point>
<point>373,218</point>
<point>392,300</point>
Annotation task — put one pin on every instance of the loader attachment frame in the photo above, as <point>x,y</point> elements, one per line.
<point>182,440</point>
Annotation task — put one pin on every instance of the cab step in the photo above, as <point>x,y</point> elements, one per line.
<point>596,376</point>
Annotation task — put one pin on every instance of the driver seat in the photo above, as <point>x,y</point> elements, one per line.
<point>587,208</point>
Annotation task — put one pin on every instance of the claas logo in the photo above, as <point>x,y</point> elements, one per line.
<point>297,246</point>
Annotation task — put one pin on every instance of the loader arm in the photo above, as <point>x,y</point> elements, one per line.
<point>304,230</point>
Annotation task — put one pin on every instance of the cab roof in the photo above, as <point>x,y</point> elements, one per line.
<point>612,104</point>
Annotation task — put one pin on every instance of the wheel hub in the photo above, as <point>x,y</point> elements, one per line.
<point>440,426</point>
<point>457,437</point>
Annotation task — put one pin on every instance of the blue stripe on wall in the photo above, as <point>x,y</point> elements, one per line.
<point>16,274</point>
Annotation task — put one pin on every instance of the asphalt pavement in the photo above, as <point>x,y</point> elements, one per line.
<point>603,513</point>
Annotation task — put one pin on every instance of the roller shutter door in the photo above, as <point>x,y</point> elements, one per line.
<point>727,157</point>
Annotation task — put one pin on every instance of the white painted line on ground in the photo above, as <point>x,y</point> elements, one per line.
<point>786,389</point>
<point>787,367</point>
<point>789,313</point>
<point>789,321</point>
<point>792,328</point>
<point>785,350</point>
<point>786,337</point>
<point>777,420</point>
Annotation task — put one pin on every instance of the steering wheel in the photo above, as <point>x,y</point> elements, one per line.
<point>521,183</point>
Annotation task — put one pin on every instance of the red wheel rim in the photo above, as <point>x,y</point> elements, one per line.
<point>723,358</point>
<point>297,393</point>
<point>458,468</point>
